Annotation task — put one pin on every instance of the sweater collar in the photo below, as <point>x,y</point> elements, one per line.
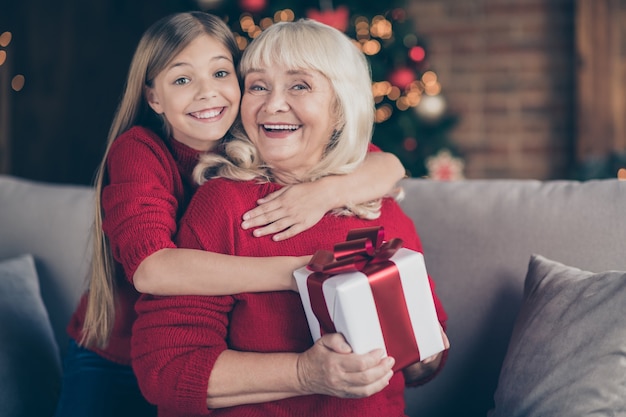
<point>186,157</point>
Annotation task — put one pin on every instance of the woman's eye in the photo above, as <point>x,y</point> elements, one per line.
<point>300,87</point>
<point>181,81</point>
<point>222,74</point>
<point>256,88</point>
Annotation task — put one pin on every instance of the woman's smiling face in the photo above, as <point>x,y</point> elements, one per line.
<point>288,115</point>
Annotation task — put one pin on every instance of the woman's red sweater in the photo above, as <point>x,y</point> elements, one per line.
<point>176,340</point>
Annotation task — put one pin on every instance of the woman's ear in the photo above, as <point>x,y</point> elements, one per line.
<point>153,99</point>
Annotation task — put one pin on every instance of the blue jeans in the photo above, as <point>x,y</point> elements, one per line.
<point>96,387</point>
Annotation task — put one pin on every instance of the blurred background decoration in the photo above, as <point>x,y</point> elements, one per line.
<point>478,89</point>
<point>412,120</point>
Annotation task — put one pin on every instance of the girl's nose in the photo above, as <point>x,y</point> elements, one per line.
<point>206,89</point>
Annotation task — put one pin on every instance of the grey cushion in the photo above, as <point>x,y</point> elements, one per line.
<point>478,236</point>
<point>29,366</point>
<point>567,355</point>
<point>52,222</point>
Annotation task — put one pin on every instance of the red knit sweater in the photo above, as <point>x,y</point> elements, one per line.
<point>176,340</point>
<point>147,189</point>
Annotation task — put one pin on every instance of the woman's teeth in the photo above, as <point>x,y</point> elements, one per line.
<point>280,127</point>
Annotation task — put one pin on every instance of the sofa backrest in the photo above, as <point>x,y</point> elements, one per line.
<point>51,222</point>
<point>478,236</point>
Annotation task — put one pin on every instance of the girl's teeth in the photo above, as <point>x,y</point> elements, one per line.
<point>206,115</point>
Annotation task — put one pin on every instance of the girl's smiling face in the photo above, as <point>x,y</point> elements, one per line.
<point>198,93</point>
<point>288,115</point>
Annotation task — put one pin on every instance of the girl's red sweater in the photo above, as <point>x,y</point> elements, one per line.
<point>148,186</point>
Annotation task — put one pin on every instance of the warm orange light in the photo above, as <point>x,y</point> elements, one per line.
<point>432,89</point>
<point>621,174</point>
<point>3,57</point>
<point>241,42</point>
<point>402,103</point>
<point>362,29</point>
<point>256,31</point>
<point>18,82</point>
<point>413,98</point>
<point>286,15</point>
<point>381,88</point>
<point>429,78</point>
<point>266,22</point>
<point>246,22</point>
<point>383,113</point>
<point>5,39</point>
<point>371,47</point>
<point>394,93</point>
<point>381,27</point>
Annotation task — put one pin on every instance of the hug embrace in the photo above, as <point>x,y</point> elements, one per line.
<point>188,306</point>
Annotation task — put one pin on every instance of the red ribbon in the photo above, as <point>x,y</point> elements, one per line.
<point>364,250</point>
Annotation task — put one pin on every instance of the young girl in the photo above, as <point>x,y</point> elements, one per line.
<point>181,98</point>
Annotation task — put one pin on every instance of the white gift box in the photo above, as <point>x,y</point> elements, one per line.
<point>353,309</point>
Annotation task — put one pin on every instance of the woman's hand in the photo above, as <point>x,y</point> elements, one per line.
<point>330,368</point>
<point>422,370</point>
<point>288,211</point>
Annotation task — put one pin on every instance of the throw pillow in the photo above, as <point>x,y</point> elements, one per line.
<point>29,356</point>
<point>567,354</point>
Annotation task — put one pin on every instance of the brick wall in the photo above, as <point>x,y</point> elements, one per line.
<point>507,70</point>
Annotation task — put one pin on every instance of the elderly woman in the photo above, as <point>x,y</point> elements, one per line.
<point>307,111</point>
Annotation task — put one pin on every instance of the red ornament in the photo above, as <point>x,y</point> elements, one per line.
<point>409,144</point>
<point>398,14</point>
<point>402,77</point>
<point>252,6</point>
<point>444,167</point>
<point>337,18</point>
<point>417,53</point>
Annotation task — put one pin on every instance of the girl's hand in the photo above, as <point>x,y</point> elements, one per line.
<point>288,211</point>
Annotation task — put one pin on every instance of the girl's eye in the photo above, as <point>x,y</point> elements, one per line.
<point>181,81</point>
<point>222,74</point>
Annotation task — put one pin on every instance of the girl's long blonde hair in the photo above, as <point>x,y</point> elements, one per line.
<point>307,44</point>
<point>161,42</point>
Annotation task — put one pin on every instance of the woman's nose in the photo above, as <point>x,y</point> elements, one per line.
<point>276,102</point>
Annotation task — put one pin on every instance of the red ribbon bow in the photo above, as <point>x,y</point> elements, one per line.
<point>364,250</point>
<point>362,247</point>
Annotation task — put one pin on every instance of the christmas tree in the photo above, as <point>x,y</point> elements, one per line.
<point>411,117</point>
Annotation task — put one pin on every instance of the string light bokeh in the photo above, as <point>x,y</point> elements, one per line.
<point>17,81</point>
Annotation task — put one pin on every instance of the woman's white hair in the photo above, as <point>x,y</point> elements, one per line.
<point>307,44</point>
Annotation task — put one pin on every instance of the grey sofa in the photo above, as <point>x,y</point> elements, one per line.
<point>478,238</point>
